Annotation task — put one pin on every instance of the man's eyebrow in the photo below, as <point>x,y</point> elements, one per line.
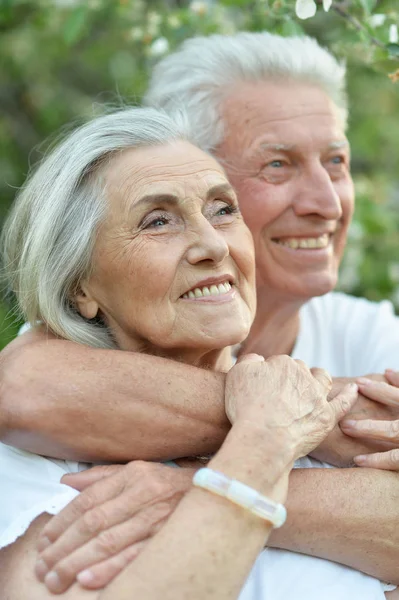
<point>339,144</point>
<point>277,147</point>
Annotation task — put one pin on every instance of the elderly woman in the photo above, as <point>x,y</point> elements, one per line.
<point>129,237</point>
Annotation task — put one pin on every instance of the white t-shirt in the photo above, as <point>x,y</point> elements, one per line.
<point>347,336</point>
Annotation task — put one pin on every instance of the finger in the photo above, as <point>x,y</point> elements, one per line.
<point>379,460</point>
<point>105,545</point>
<point>380,391</point>
<point>250,358</point>
<point>95,495</point>
<point>101,574</point>
<point>343,401</point>
<point>82,480</point>
<point>89,526</point>
<point>392,377</point>
<point>379,430</point>
<point>323,377</point>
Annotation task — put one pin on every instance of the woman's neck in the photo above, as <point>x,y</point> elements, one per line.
<point>275,328</point>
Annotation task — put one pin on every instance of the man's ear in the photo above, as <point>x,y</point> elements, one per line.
<point>85,303</point>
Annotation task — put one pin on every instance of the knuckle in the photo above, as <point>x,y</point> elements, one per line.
<point>394,429</point>
<point>107,543</point>
<point>394,456</point>
<point>93,521</point>
<point>83,503</point>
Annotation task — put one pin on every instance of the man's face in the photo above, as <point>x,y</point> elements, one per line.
<point>286,154</point>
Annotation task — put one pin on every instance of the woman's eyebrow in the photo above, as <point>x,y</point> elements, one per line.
<point>173,200</point>
<point>170,199</point>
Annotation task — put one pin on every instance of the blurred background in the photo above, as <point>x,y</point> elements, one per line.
<point>61,59</point>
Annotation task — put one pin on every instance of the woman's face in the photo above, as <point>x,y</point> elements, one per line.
<point>173,265</point>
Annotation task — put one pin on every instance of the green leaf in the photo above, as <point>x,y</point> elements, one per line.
<point>393,49</point>
<point>290,27</point>
<point>368,5</point>
<point>74,26</point>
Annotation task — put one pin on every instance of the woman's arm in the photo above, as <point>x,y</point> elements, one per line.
<point>202,541</point>
<point>332,514</point>
<point>140,406</point>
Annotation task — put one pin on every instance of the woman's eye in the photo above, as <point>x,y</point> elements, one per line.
<point>156,222</point>
<point>227,210</point>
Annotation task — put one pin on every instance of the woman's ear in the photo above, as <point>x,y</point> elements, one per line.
<point>85,303</point>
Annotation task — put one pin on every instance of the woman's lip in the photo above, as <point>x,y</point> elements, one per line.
<point>220,299</point>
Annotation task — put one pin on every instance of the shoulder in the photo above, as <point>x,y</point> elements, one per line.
<point>337,306</point>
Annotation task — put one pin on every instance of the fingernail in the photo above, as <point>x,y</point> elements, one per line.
<point>53,582</point>
<point>364,381</point>
<point>41,569</point>
<point>348,423</point>
<point>43,543</point>
<point>353,386</point>
<point>389,371</point>
<point>360,460</point>
<point>85,577</point>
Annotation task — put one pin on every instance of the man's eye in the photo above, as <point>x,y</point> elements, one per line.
<point>337,160</point>
<point>277,164</point>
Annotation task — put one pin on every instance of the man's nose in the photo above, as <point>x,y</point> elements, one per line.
<point>317,195</point>
<point>207,243</point>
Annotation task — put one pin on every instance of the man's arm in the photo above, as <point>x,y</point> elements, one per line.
<point>350,516</point>
<point>332,514</point>
<point>74,402</point>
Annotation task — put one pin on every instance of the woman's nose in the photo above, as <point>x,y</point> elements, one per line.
<point>207,243</point>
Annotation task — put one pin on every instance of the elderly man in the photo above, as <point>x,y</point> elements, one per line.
<point>273,111</point>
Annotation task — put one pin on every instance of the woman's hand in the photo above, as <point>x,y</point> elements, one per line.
<point>385,432</point>
<point>287,399</point>
<point>120,508</point>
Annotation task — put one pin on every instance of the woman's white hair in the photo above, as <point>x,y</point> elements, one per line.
<point>202,72</point>
<point>49,236</point>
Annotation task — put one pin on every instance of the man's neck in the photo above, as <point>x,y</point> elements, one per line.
<point>275,328</point>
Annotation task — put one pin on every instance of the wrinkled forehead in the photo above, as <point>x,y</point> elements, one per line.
<point>285,113</point>
<point>177,168</point>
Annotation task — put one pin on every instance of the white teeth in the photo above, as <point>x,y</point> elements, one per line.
<point>319,242</point>
<point>213,290</point>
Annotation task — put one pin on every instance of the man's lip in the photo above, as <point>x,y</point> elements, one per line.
<point>211,281</point>
<point>301,236</point>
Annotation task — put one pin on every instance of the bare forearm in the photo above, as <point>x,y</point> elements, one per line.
<point>335,513</point>
<point>73,402</point>
<point>215,566</point>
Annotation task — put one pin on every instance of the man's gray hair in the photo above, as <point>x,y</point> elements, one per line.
<point>202,72</point>
<point>48,239</point>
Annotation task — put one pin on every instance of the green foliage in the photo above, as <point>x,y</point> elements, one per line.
<point>61,58</point>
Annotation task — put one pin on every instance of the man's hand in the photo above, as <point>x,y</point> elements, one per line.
<point>373,403</point>
<point>104,528</point>
<point>377,430</point>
